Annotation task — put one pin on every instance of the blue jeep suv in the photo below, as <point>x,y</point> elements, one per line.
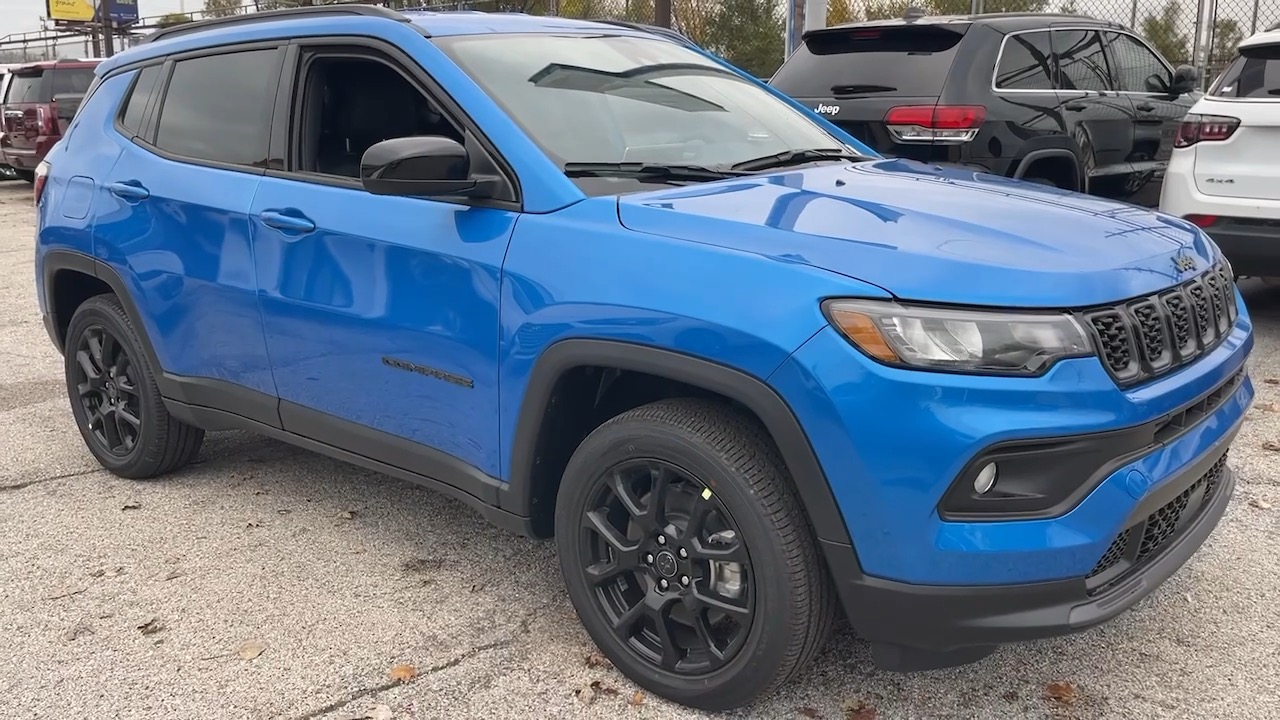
<point>601,286</point>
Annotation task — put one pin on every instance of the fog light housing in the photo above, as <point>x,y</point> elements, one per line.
<point>985,480</point>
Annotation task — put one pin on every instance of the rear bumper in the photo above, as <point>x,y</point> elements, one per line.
<point>920,627</point>
<point>1252,245</point>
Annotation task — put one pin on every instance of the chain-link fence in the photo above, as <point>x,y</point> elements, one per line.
<point>751,33</point>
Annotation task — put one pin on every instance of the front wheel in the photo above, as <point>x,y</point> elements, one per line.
<point>687,555</point>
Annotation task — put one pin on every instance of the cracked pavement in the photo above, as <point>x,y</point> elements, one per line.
<point>124,600</point>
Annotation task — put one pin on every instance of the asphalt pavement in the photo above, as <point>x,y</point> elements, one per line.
<point>267,582</point>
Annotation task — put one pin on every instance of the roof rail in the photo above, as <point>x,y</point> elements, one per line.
<point>269,15</point>
<point>666,32</point>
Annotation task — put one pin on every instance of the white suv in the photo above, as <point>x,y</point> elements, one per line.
<point>1224,174</point>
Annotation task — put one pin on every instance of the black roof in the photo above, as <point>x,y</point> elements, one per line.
<point>1005,22</point>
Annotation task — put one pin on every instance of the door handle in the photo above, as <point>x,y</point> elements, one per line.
<point>1146,107</point>
<point>129,190</point>
<point>287,222</point>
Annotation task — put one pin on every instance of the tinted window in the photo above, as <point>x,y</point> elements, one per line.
<point>71,81</point>
<point>1026,63</point>
<point>25,88</point>
<point>219,107</point>
<point>1254,74</point>
<point>1134,67</point>
<point>1081,62</point>
<point>879,61</point>
<point>143,88</point>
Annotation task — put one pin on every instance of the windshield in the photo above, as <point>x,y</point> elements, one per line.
<point>618,99</point>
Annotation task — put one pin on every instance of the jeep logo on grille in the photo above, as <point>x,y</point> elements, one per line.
<point>1184,263</point>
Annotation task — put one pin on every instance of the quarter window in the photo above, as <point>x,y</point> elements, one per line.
<point>143,88</point>
<point>218,108</point>
<point>1026,63</point>
<point>1082,64</point>
<point>1134,67</point>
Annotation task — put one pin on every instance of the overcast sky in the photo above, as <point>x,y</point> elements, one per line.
<point>24,15</point>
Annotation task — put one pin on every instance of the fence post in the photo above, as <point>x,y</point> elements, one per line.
<point>661,13</point>
<point>795,26</point>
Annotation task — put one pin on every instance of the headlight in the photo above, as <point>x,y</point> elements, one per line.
<point>952,339</point>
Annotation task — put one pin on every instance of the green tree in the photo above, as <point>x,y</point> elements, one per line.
<point>1162,30</point>
<point>221,8</point>
<point>840,12</point>
<point>748,33</point>
<point>886,9</point>
<point>1226,36</point>
<point>173,19</point>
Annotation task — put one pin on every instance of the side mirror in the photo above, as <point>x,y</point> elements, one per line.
<point>421,166</point>
<point>1184,80</point>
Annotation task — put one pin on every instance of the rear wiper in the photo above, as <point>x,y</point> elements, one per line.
<point>795,157</point>
<point>855,89</point>
<point>647,171</point>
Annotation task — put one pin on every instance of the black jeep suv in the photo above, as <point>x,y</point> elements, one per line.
<point>1065,100</point>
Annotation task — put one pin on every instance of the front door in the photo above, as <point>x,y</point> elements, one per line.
<point>381,312</point>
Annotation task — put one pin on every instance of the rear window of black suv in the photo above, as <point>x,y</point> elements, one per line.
<point>858,61</point>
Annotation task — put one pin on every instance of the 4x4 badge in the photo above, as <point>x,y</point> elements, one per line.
<point>1184,263</point>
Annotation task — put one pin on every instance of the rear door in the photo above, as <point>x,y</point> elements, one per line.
<point>21,117</point>
<point>1246,164</point>
<point>1098,118</point>
<point>854,75</point>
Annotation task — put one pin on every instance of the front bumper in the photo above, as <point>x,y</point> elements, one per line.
<point>918,627</point>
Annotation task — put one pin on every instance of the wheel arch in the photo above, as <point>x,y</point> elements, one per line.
<point>533,482</point>
<point>1059,152</point>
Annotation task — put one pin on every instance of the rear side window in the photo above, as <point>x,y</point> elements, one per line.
<point>1026,62</point>
<point>871,61</point>
<point>1254,74</point>
<point>1082,64</point>
<point>70,81</point>
<point>25,88</point>
<point>143,89</point>
<point>218,108</point>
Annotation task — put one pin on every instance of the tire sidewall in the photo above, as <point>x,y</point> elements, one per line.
<point>758,662</point>
<point>96,312</point>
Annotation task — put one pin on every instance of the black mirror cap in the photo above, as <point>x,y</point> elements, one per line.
<point>419,166</point>
<point>1185,78</point>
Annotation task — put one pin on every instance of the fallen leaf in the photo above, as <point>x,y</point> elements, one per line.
<point>259,492</point>
<point>251,649</point>
<point>77,631</point>
<point>1272,381</point>
<point>637,699</point>
<point>808,712</point>
<point>403,673</point>
<point>596,660</point>
<point>585,694</point>
<point>173,574</point>
<point>66,593</point>
<point>859,710</point>
<point>1010,696</point>
<point>379,712</point>
<point>1271,445</point>
<point>603,689</point>
<point>132,506</point>
<point>1266,407</point>
<point>1260,504</point>
<point>477,587</point>
<point>252,524</point>
<point>422,565</point>
<point>1063,693</point>
<point>347,515</point>
<point>151,627</point>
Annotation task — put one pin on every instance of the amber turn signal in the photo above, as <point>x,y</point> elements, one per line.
<point>862,330</point>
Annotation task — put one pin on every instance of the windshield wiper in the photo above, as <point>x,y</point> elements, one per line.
<point>856,89</point>
<point>647,171</point>
<point>795,157</point>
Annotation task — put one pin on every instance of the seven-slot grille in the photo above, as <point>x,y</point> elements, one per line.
<point>1145,337</point>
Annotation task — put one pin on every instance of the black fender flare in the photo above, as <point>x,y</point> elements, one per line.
<point>1027,160</point>
<point>802,462</point>
<point>190,391</point>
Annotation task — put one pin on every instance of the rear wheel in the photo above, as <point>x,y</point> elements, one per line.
<point>114,397</point>
<point>687,556</point>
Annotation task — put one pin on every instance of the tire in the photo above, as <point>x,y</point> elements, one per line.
<point>720,467</point>
<point>106,368</point>
<point>25,175</point>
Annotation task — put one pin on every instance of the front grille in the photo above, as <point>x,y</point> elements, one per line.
<point>1140,542</point>
<point>1146,337</point>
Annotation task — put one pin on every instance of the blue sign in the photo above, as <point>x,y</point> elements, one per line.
<point>121,12</point>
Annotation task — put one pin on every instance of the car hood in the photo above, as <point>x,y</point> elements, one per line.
<point>928,233</point>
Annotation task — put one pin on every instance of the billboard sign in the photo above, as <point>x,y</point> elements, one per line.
<point>70,12</point>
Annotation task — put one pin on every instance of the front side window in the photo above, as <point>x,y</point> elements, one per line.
<point>1082,64</point>
<point>1026,63</point>
<point>1134,67</point>
<point>218,108</point>
<point>612,99</point>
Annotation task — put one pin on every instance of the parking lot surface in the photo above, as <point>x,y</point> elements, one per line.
<point>267,582</point>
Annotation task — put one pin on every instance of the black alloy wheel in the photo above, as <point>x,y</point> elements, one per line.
<point>668,566</point>
<point>108,391</point>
